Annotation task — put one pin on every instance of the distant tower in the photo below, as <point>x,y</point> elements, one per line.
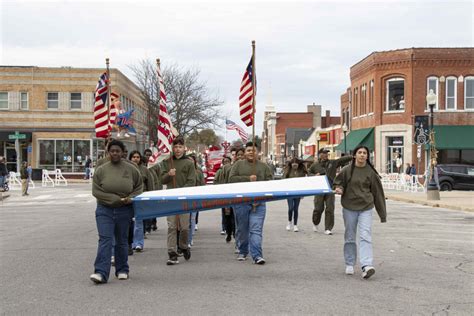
<point>269,128</point>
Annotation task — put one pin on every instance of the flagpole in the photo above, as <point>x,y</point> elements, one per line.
<point>107,102</point>
<point>254,73</point>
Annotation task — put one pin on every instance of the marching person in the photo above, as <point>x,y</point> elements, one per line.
<point>115,183</point>
<point>199,182</point>
<point>361,191</point>
<point>182,174</point>
<point>295,168</point>
<point>250,217</point>
<point>326,202</point>
<point>138,241</point>
<point>24,178</point>
<point>227,212</point>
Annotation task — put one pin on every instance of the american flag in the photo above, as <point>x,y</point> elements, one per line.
<point>114,107</point>
<point>101,113</point>
<point>166,131</point>
<point>247,93</point>
<point>230,125</point>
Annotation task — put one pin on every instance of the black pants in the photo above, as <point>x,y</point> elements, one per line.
<point>229,222</point>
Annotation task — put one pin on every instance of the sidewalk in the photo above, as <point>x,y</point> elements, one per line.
<point>455,200</point>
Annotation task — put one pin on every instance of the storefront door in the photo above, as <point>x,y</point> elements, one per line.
<point>11,158</point>
<point>395,155</point>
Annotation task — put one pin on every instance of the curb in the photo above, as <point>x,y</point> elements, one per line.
<point>430,203</point>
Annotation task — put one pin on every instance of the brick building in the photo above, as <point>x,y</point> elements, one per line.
<point>53,108</point>
<point>276,124</point>
<point>388,90</point>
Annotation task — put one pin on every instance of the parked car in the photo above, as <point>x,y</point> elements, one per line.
<point>457,177</point>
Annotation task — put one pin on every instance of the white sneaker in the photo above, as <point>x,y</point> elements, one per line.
<point>97,278</point>
<point>367,272</point>
<point>295,229</point>
<point>315,228</point>
<point>328,232</point>
<point>222,232</point>
<point>196,227</point>
<point>122,276</point>
<point>349,270</point>
<point>288,227</point>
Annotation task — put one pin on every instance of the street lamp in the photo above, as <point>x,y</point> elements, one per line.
<point>293,151</point>
<point>344,130</point>
<point>432,188</point>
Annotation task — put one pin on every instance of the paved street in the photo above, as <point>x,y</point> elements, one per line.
<point>424,264</point>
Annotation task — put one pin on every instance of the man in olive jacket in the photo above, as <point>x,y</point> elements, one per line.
<point>327,167</point>
<point>250,217</point>
<point>181,174</point>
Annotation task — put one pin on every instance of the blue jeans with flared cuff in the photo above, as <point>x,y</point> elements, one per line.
<point>112,222</point>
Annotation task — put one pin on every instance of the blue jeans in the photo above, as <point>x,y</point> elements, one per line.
<point>112,222</point>
<point>2,181</point>
<point>249,228</point>
<point>192,219</point>
<point>138,234</point>
<point>363,220</point>
<point>293,205</point>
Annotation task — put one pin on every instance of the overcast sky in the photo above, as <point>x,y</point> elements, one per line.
<point>304,48</point>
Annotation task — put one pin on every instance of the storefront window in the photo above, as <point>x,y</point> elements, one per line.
<point>99,150</point>
<point>395,94</point>
<point>82,149</point>
<point>64,155</point>
<point>46,154</point>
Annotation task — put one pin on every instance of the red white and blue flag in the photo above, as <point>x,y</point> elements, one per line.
<point>230,125</point>
<point>166,131</point>
<point>247,95</point>
<point>101,111</point>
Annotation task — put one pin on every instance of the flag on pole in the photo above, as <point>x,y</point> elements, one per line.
<point>114,108</point>
<point>166,131</point>
<point>247,94</point>
<point>230,125</point>
<point>101,111</point>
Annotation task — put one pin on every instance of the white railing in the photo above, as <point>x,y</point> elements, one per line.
<point>46,180</point>
<point>59,178</point>
<point>403,182</point>
<point>14,182</point>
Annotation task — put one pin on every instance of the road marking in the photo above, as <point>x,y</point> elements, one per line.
<point>82,195</point>
<point>42,197</point>
<point>432,239</point>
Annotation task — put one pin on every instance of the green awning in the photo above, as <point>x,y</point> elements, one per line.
<point>454,137</point>
<point>363,136</point>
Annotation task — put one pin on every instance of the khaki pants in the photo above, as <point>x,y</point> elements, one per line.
<point>320,201</point>
<point>24,186</point>
<point>183,232</point>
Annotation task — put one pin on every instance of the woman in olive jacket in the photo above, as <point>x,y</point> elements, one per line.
<point>295,168</point>
<point>361,189</point>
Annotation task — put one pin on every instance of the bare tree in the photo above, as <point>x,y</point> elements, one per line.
<point>189,102</point>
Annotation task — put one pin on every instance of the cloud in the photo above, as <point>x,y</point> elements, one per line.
<point>304,48</point>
